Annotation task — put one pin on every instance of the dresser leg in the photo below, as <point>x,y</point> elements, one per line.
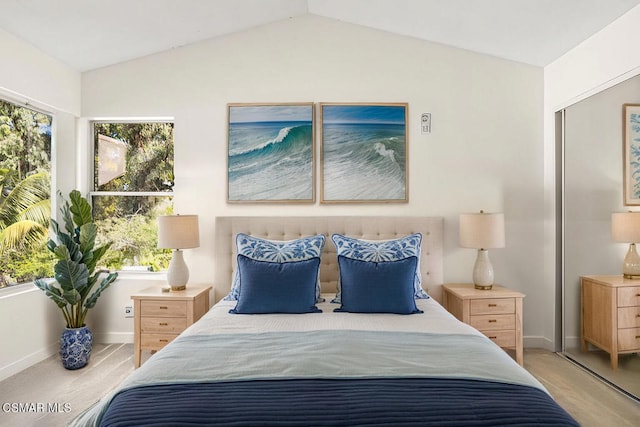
<point>136,358</point>
<point>520,356</point>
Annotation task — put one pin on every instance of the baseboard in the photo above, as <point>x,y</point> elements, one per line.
<point>538,342</point>
<point>113,337</point>
<point>28,361</point>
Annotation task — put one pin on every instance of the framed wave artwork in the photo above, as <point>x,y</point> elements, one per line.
<point>631,129</point>
<point>363,153</point>
<point>271,153</point>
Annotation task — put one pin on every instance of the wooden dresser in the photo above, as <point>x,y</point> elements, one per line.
<point>497,312</point>
<point>159,316</point>
<point>610,315</point>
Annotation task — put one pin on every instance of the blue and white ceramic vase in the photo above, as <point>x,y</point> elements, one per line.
<point>75,347</point>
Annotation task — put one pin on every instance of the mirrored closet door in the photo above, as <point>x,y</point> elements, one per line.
<point>592,190</point>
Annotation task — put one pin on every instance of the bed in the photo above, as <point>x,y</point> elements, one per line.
<point>318,366</point>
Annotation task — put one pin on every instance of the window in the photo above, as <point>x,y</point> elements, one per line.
<point>133,185</point>
<point>25,194</point>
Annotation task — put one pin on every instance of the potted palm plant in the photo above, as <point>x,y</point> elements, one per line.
<point>75,277</point>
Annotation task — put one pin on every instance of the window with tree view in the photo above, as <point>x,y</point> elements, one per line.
<point>133,185</point>
<point>25,191</point>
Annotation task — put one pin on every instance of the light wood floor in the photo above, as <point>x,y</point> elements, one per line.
<point>588,400</point>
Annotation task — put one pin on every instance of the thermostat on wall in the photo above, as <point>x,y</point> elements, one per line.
<point>426,123</point>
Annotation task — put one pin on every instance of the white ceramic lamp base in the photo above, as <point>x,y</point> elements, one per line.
<point>483,271</point>
<point>178,273</point>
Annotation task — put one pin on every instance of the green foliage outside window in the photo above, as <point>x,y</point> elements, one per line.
<point>25,206</point>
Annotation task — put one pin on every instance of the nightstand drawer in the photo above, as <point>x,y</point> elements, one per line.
<point>492,306</point>
<point>163,324</point>
<point>155,341</point>
<point>491,322</point>
<point>629,339</point>
<point>157,308</point>
<point>629,317</point>
<point>502,338</point>
<point>629,296</point>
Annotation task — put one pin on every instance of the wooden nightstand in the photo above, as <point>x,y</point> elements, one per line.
<point>497,313</point>
<point>610,315</point>
<point>159,316</point>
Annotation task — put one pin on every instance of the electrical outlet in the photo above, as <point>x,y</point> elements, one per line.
<point>128,311</point>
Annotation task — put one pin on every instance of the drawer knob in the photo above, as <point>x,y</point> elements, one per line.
<point>163,340</point>
<point>163,307</point>
<point>492,321</point>
<point>493,305</point>
<point>163,323</point>
<point>493,338</point>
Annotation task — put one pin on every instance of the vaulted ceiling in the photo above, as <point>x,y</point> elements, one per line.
<point>88,34</point>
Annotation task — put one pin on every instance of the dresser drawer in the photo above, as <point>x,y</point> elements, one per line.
<point>502,338</point>
<point>492,306</point>
<point>155,341</point>
<point>629,339</point>
<point>166,325</point>
<point>492,322</point>
<point>629,317</point>
<point>159,308</point>
<point>629,296</point>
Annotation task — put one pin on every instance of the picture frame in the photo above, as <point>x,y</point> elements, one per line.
<point>631,147</point>
<point>364,153</point>
<point>271,152</point>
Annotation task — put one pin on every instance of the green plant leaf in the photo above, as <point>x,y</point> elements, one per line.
<point>71,275</point>
<point>88,233</point>
<point>104,284</point>
<point>52,292</point>
<point>68,220</point>
<point>80,209</point>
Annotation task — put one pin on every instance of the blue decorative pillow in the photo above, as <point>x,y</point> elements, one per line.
<point>381,250</point>
<point>378,287</point>
<point>276,251</point>
<point>277,287</point>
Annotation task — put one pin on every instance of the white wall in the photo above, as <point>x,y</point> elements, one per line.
<point>607,58</point>
<point>485,151</point>
<point>31,75</point>
<point>30,324</point>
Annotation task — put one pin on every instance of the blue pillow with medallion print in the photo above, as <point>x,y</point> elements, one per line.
<point>276,251</point>
<point>379,251</point>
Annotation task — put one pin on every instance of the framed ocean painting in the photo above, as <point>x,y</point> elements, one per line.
<point>363,153</point>
<point>271,153</point>
<point>631,126</point>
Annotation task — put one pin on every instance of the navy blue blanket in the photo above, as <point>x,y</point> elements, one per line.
<point>346,402</point>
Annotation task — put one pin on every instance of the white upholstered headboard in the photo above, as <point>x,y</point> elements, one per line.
<point>362,227</point>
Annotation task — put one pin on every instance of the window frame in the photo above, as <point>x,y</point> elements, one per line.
<point>90,169</point>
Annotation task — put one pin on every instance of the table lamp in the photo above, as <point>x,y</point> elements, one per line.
<point>178,232</point>
<point>482,231</point>
<point>625,228</point>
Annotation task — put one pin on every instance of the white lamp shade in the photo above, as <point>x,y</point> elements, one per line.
<point>625,227</point>
<point>178,232</point>
<point>482,230</point>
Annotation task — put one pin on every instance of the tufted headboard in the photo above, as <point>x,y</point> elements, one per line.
<point>362,227</point>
